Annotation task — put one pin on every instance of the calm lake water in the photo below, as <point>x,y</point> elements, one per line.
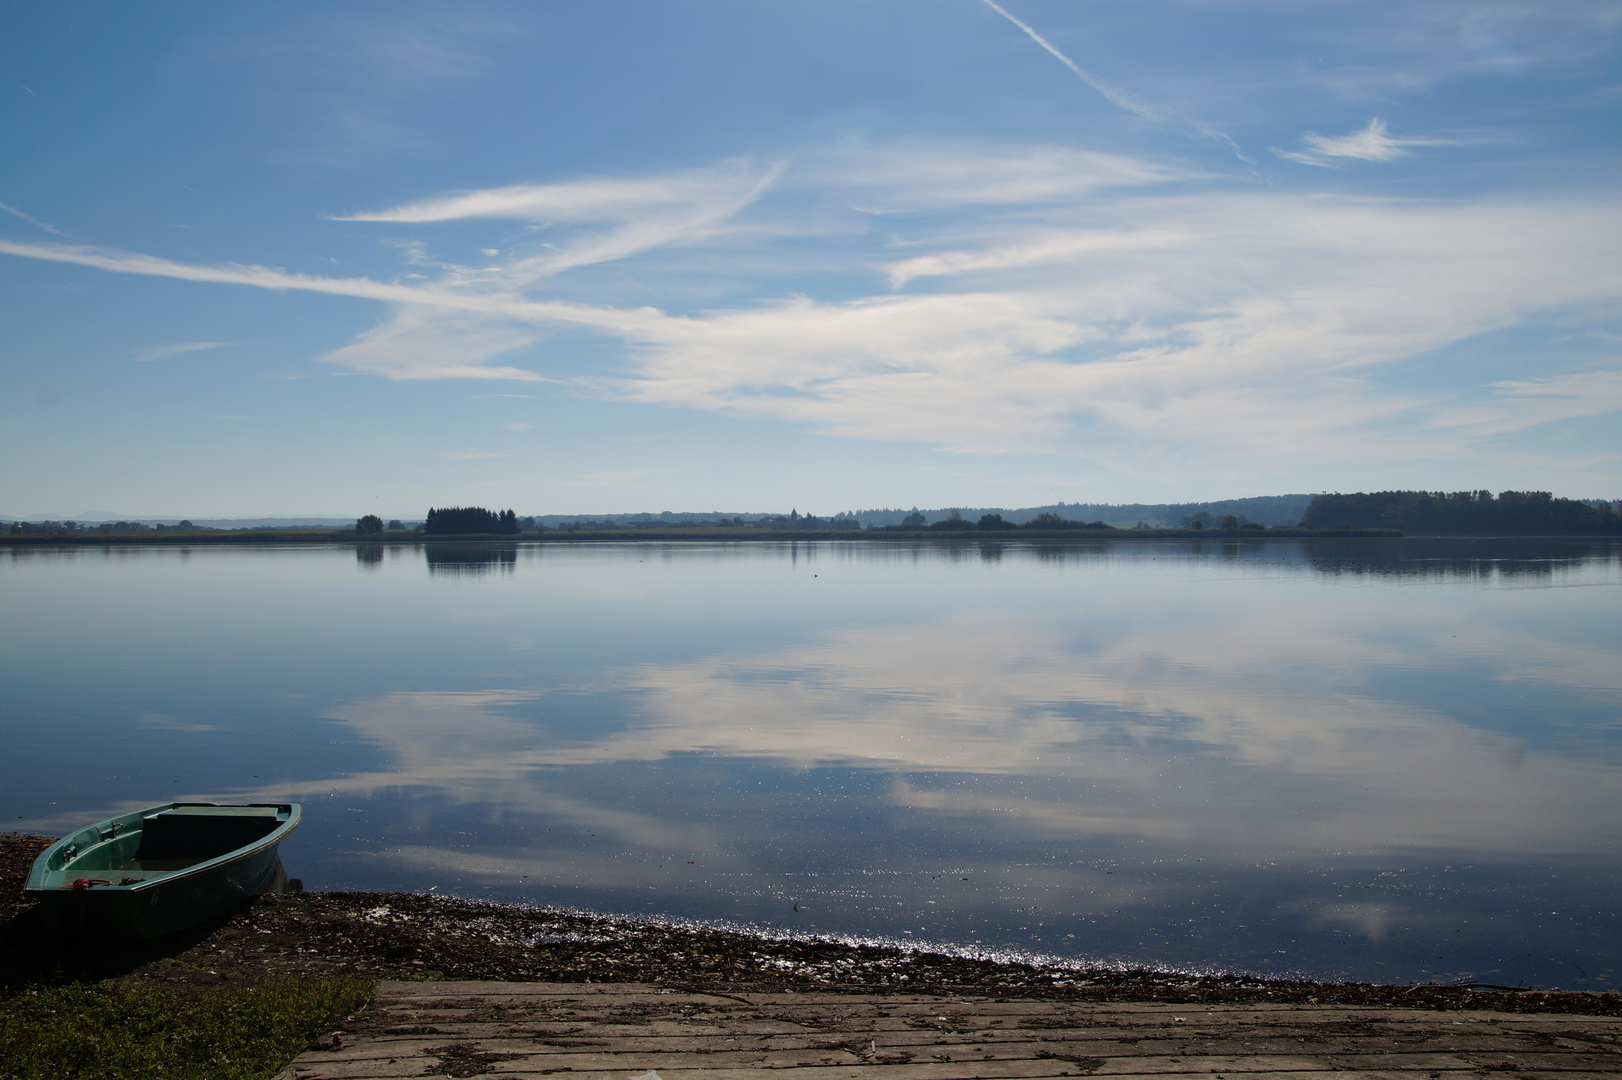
<point>1381,760</point>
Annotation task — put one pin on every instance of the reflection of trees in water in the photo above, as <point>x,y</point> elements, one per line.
<point>470,560</point>
<point>1461,559</point>
<point>369,556</point>
<point>1527,559</point>
<point>1077,551</point>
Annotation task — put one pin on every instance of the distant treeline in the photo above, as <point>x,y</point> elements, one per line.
<point>1267,510</point>
<point>54,528</point>
<point>1466,513</point>
<point>469,521</point>
<point>120,528</point>
<point>794,521</point>
<point>956,522</point>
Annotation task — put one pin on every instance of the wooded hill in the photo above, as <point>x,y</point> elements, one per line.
<point>1465,513</point>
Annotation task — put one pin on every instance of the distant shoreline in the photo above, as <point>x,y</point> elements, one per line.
<point>172,538</point>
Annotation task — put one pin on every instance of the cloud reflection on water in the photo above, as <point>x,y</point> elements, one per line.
<point>1264,738</point>
<point>1192,753</point>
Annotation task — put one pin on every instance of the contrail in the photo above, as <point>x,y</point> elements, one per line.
<point>34,221</point>
<point>1112,93</point>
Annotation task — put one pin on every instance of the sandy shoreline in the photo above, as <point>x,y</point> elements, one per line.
<point>415,936</point>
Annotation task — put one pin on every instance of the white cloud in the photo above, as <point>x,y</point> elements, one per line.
<point>451,295</point>
<point>1372,143</point>
<point>1025,298</point>
<point>1516,405</point>
<point>643,213</point>
<point>595,199</point>
<point>164,352</point>
<point>418,343</point>
<point>1603,386</point>
<point>1246,323</point>
<point>1412,48</point>
<point>1057,247</point>
<point>908,177</point>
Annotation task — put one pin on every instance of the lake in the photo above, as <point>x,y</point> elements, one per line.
<point>1394,760</point>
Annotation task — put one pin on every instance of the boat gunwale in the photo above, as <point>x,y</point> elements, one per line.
<point>36,875</point>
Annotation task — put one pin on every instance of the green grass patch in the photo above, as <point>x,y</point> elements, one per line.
<point>120,1032</point>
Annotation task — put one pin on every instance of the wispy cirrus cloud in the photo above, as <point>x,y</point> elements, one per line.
<point>1519,404</point>
<point>1040,250</point>
<point>640,213</point>
<point>454,325</point>
<point>179,348</point>
<point>1418,46</point>
<point>1605,384</point>
<point>1022,298</point>
<point>594,199</point>
<point>446,294</point>
<point>1372,143</point>
<point>358,79</point>
<point>908,177</point>
<point>417,343</point>
<point>1252,322</point>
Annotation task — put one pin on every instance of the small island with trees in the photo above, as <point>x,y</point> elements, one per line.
<point>470,521</point>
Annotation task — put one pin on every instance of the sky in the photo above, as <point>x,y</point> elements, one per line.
<point>589,258</point>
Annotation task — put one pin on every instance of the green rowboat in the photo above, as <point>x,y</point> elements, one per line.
<point>165,868</point>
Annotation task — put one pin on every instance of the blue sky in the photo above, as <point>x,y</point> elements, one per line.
<point>576,258</point>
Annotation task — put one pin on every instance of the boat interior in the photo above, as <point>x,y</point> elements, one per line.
<point>137,847</point>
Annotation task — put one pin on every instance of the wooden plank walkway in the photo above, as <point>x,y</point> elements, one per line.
<point>626,1031</point>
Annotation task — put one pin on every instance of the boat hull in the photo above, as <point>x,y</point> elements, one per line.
<point>93,882</point>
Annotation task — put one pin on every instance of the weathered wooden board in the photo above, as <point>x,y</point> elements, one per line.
<point>624,1031</point>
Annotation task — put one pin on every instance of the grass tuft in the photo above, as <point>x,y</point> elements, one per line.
<point>118,1032</point>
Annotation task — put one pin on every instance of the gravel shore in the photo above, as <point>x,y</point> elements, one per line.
<point>415,936</point>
